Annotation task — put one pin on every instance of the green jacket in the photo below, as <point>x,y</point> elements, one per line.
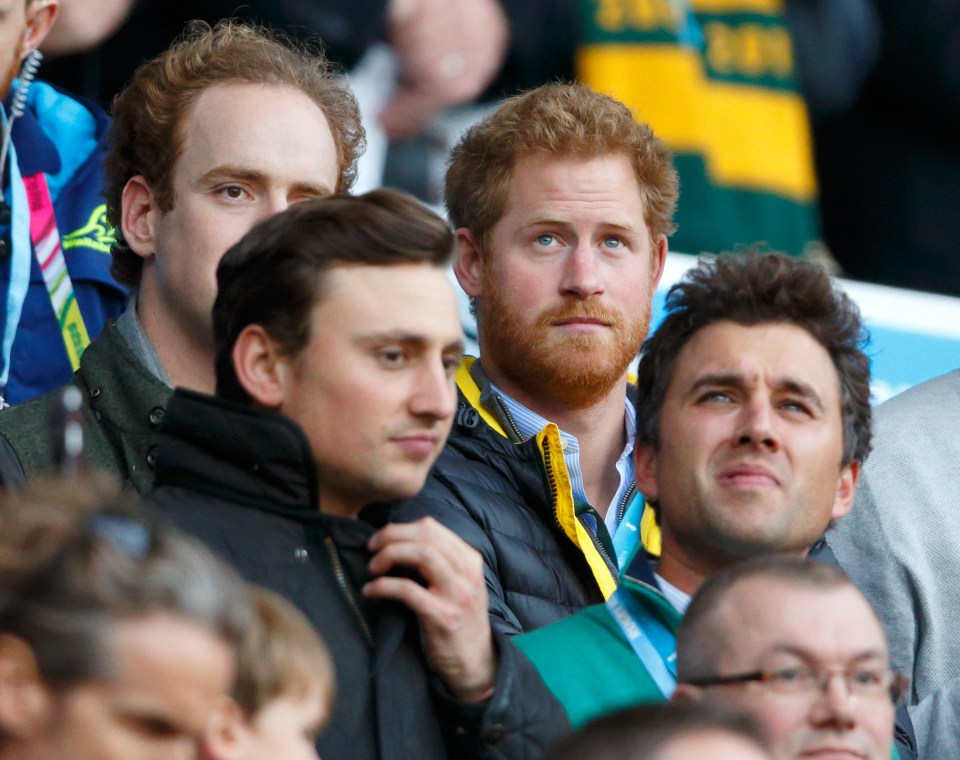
<point>587,662</point>
<point>589,665</point>
<point>125,407</point>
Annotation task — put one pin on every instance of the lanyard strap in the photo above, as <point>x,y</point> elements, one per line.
<point>627,535</point>
<point>46,245</point>
<point>654,645</point>
<point>19,263</point>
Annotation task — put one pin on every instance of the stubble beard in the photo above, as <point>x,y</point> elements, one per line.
<point>575,369</point>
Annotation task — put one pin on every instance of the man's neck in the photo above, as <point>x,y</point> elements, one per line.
<point>331,504</point>
<point>598,428</point>
<point>688,573</point>
<point>679,571</point>
<point>187,361</point>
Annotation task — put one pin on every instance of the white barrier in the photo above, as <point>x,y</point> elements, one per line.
<point>914,336</point>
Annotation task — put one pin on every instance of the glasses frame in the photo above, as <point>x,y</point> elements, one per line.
<point>897,687</point>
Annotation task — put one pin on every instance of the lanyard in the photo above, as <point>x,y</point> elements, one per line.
<point>627,534</point>
<point>653,643</point>
<point>19,263</point>
<point>46,244</point>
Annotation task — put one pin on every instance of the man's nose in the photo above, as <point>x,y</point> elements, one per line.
<point>435,394</point>
<point>276,203</point>
<point>757,425</point>
<point>835,704</point>
<point>581,275</point>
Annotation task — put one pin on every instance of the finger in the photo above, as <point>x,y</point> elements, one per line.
<point>431,564</point>
<point>420,529</point>
<point>428,532</point>
<point>409,593</point>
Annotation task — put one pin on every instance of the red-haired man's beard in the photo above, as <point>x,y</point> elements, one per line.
<point>545,360</point>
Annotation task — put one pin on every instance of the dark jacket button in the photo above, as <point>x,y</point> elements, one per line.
<point>494,733</point>
<point>152,456</point>
<point>156,416</point>
<point>95,392</point>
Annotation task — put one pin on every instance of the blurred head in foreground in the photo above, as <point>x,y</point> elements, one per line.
<point>794,643</point>
<point>666,732</point>
<point>284,690</point>
<point>117,636</point>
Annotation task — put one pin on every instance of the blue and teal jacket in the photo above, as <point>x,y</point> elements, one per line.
<point>590,667</point>
<point>66,139</point>
<point>586,660</point>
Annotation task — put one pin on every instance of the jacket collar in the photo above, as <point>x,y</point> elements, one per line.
<point>258,458</point>
<point>36,152</point>
<point>640,568</point>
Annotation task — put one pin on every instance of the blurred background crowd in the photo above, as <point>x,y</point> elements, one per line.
<point>842,143</point>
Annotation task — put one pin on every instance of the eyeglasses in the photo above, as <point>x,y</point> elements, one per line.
<point>863,682</point>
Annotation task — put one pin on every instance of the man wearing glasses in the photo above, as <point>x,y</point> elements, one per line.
<point>753,418</point>
<point>792,642</point>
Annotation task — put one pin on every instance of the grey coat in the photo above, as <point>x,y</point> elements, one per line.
<point>901,546</point>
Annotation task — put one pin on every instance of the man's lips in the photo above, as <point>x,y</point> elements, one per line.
<point>582,324</point>
<point>748,475</point>
<point>833,752</point>
<point>417,444</point>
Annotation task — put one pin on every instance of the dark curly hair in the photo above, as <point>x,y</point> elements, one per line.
<point>147,135</point>
<point>753,289</point>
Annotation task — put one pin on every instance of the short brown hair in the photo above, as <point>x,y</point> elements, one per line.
<point>753,289</point>
<point>562,120</point>
<point>280,655</point>
<point>700,640</point>
<point>274,276</point>
<point>78,556</point>
<point>146,136</point>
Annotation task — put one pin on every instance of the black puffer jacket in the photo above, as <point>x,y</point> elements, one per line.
<point>244,482</point>
<point>513,502</point>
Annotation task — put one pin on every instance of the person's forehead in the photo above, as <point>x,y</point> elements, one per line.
<point>768,353</point>
<point>256,127</point>
<point>152,648</point>
<point>717,744</point>
<point>540,181</point>
<point>772,616</point>
<point>413,299</point>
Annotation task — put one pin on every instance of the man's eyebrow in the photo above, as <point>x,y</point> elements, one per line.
<point>800,388</point>
<point>805,654</point>
<point>152,718</point>
<point>622,224</point>
<point>414,340</point>
<point>716,380</point>
<point>228,172</point>
<point>734,380</point>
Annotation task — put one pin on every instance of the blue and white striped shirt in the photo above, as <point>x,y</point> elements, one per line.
<point>529,423</point>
